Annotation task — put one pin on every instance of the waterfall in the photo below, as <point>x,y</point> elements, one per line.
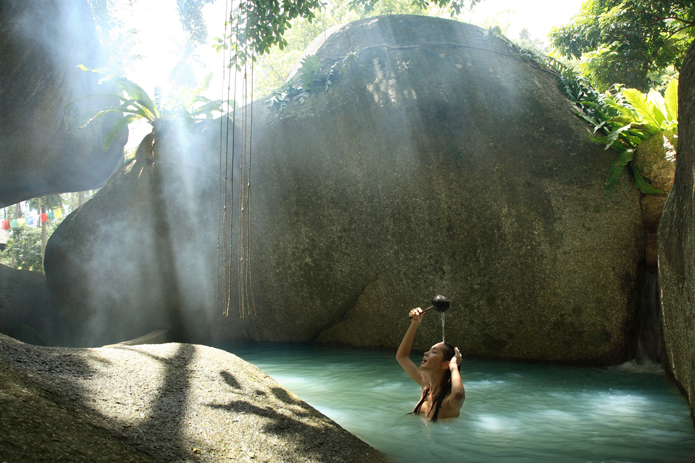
<point>443,338</point>
<point>649,321</point>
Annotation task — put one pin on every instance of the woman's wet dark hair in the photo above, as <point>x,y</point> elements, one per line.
<point>448,354</point>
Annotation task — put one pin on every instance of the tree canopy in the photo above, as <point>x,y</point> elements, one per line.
<point>258,25</point>
<point>629,42</point>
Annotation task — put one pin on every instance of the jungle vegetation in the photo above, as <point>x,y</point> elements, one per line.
<point>25,247</point>
<point>633,42</point>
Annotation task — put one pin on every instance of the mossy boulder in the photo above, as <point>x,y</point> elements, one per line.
<point>140,255</point>
<point>442,163</point>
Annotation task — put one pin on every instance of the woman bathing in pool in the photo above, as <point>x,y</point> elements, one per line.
<point>442,389</point>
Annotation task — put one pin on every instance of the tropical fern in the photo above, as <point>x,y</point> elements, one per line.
<point>187,104</point>
<point>622,119</point>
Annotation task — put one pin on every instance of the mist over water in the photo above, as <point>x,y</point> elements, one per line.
<point>513,412</point>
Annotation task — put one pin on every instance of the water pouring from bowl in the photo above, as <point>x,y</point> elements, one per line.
<point>439,303</point>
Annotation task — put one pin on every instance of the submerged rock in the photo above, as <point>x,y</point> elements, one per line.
<point>440,163</point>
<point>42,149</point>
<point>676,244</point>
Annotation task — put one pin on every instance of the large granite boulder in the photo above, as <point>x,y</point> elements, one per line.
<point>42,151</point>
<point>440,163</point>
<point>676,244</point>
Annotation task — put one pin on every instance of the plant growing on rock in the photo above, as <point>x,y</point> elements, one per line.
<point>635,117</point>
<point>622,119</point>
<point>185,104</point>
<point>312,79</point>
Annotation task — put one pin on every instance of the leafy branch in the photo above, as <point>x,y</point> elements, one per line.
<point>622,119</point>
<point>135,104</point>
<point>256,25</point>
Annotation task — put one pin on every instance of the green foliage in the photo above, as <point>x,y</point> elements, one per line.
<point>25,241</point>
<point>191,16</point>
<point>622,119</point>
<point>186,104</point>
<point>310,71</point>
<point>368,6</point>
<point>313,78</point>
<point>631,42</point>
<point>256,26</point>
<point>25,245</point>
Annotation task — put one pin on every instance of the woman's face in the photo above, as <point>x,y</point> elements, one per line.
<point>433,358</point>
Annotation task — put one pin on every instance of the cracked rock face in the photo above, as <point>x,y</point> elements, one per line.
<point>439,163</point>
<point>42,149</point>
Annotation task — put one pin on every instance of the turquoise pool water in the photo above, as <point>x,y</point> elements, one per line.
<point>514,412</point>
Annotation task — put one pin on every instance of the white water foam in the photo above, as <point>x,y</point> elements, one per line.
<point>631,366</point>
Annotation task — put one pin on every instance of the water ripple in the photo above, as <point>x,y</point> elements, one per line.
<point>513,412</point>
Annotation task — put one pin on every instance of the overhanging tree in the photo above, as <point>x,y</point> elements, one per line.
<point>627,41</point>
<point>258,25</point>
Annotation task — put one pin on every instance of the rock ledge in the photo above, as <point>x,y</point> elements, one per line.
<point>165,402</point>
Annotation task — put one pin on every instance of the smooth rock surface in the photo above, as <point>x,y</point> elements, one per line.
<point>42,149</point>
<point>165,402</point>
<point>676,243</point>
<point>439,164</point>
<point>26,310</point>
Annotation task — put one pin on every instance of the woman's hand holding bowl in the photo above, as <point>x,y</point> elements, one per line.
<point>416,314</point>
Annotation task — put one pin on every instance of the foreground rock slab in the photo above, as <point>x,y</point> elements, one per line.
<point>165,402</point>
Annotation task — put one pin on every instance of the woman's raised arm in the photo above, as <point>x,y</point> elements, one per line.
<point>403,353</point>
